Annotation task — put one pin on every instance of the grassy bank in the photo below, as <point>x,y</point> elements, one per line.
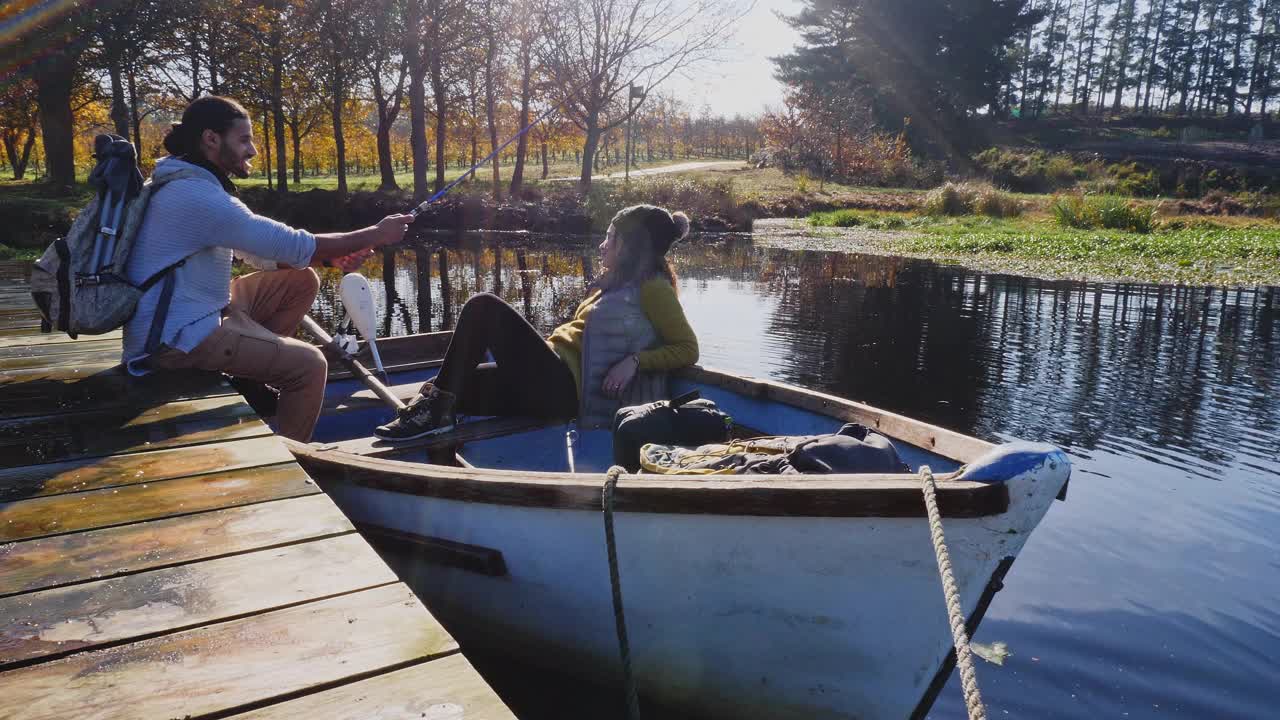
<point>1218,251</point>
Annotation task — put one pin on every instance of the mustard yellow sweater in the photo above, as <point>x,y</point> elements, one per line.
<point>658,299</point>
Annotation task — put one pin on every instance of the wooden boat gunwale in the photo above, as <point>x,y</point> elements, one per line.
<point>861,495</point>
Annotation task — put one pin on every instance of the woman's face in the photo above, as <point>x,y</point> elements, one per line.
<point>609,248</point>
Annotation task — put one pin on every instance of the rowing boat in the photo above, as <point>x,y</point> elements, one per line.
<point>759,596</point>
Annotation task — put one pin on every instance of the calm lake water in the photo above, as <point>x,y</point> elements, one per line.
<point>1154,591</point>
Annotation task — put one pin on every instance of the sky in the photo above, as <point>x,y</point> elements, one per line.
<point>743,81</point>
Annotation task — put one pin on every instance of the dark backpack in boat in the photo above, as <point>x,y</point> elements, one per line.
<point>686,420</point>
<point>79,284</point>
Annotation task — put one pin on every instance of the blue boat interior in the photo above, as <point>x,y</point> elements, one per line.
<point>544,449</point>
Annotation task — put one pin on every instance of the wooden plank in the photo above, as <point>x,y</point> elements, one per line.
<point>30,481</point>
<point>69,359</point>
<point>109,552</point>
<point>363,399</point>
<point>864,495</point>
<point>444,689</point>
<point>56,338</point>
<point>58,374</point>
<point>228,666</point>
<point>35,393</point>
<point>71,619</point>
<point>35,350</point>
<point>467,432</point>
<point>55,438</point>
<point>38,517</point>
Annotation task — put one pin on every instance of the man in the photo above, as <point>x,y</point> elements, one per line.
<point>241,327</point>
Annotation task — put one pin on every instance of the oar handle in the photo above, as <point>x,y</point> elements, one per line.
<point>360,371</point>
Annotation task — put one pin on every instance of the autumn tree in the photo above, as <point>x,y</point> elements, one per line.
<point>18,121</point>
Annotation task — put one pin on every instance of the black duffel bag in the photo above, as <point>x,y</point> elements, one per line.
<point>685,420</point>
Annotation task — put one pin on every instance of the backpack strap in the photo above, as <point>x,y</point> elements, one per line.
<point>64,285</point>
<point>162,305</point>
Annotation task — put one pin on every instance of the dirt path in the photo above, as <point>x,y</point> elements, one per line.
<point>679,167</point>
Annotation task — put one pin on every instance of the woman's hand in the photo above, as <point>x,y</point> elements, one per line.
<point>620,376</point>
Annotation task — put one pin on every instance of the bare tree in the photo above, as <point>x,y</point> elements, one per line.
<point>384,69</point>
<point>600,48</point>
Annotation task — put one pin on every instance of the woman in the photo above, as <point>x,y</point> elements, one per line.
<point>623,339</point>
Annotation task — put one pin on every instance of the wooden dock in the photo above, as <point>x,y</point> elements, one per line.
<point>163,556</point>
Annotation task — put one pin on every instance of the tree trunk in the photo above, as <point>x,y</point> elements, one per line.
<point>522,145</point>
<point>119,111</point>
<point>277,109</point>
<point>1026,63</point>
<point>297,152</point>
<point>589,150</point>
<point>1151,66</point>
<point>491,98</point>
<point>54,77</point>
<point>194,55</point>
<point>385,166</point>
<point>339,144</point>
<point>1184,87</point>
<point>1255,74</point>
<point>438,91</point>
<point>1075,70</point>
<point>266,146</point>
<point>546,167</point>
<point>133,113</point>
<point>1122,57</point>
<point>418,127</point>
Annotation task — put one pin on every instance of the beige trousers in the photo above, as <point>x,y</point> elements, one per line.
<point>255,341</point>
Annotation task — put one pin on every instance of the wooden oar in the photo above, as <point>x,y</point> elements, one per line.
<point>352,364</point>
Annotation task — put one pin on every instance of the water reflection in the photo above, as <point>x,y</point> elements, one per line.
<point>1144,593</point>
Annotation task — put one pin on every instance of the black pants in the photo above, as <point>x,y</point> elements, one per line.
<point>526,377</point>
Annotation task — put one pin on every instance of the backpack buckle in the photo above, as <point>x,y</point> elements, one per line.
<point>107,231</point>
<point>87,280</point>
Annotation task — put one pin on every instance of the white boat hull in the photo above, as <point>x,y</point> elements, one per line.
<point>728,616</point>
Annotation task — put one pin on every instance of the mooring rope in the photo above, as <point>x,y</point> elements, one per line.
<point>619,616</point>
<point>959,635</point>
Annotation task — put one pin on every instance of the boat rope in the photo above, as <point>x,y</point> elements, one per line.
<point>959,635</point>
<point>619,616</point>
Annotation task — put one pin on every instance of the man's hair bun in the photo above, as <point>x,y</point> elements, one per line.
<point>682,224</point>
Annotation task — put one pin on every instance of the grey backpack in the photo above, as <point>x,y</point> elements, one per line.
<point>79,284</point>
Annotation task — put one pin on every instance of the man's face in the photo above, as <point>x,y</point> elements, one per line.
<point>232,150</point>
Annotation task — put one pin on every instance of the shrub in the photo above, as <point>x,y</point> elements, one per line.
<point>703,200</point>
<point>1135,180</point>
<point>993,203</point>
<point>969,198</point>
<point>1116,214</point>
<point>1072,211</point>
<point>951,199</point>
<point>1112,213</point>
<point>1033,171</point>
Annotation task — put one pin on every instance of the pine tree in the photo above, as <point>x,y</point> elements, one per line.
<point>1125,16</point>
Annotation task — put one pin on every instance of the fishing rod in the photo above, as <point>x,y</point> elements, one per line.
<point>422,206</point>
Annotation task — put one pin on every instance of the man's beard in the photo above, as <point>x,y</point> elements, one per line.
<point>233,165</point>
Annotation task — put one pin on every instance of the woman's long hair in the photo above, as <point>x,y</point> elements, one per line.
<point>644,233</point>
<point>207,113</point>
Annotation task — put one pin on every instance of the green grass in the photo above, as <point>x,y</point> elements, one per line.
<point>1201,252</point>
<point>12,253</point>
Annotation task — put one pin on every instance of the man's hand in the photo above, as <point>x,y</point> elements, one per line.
<point>390,229</point>
<point>352,262</point>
